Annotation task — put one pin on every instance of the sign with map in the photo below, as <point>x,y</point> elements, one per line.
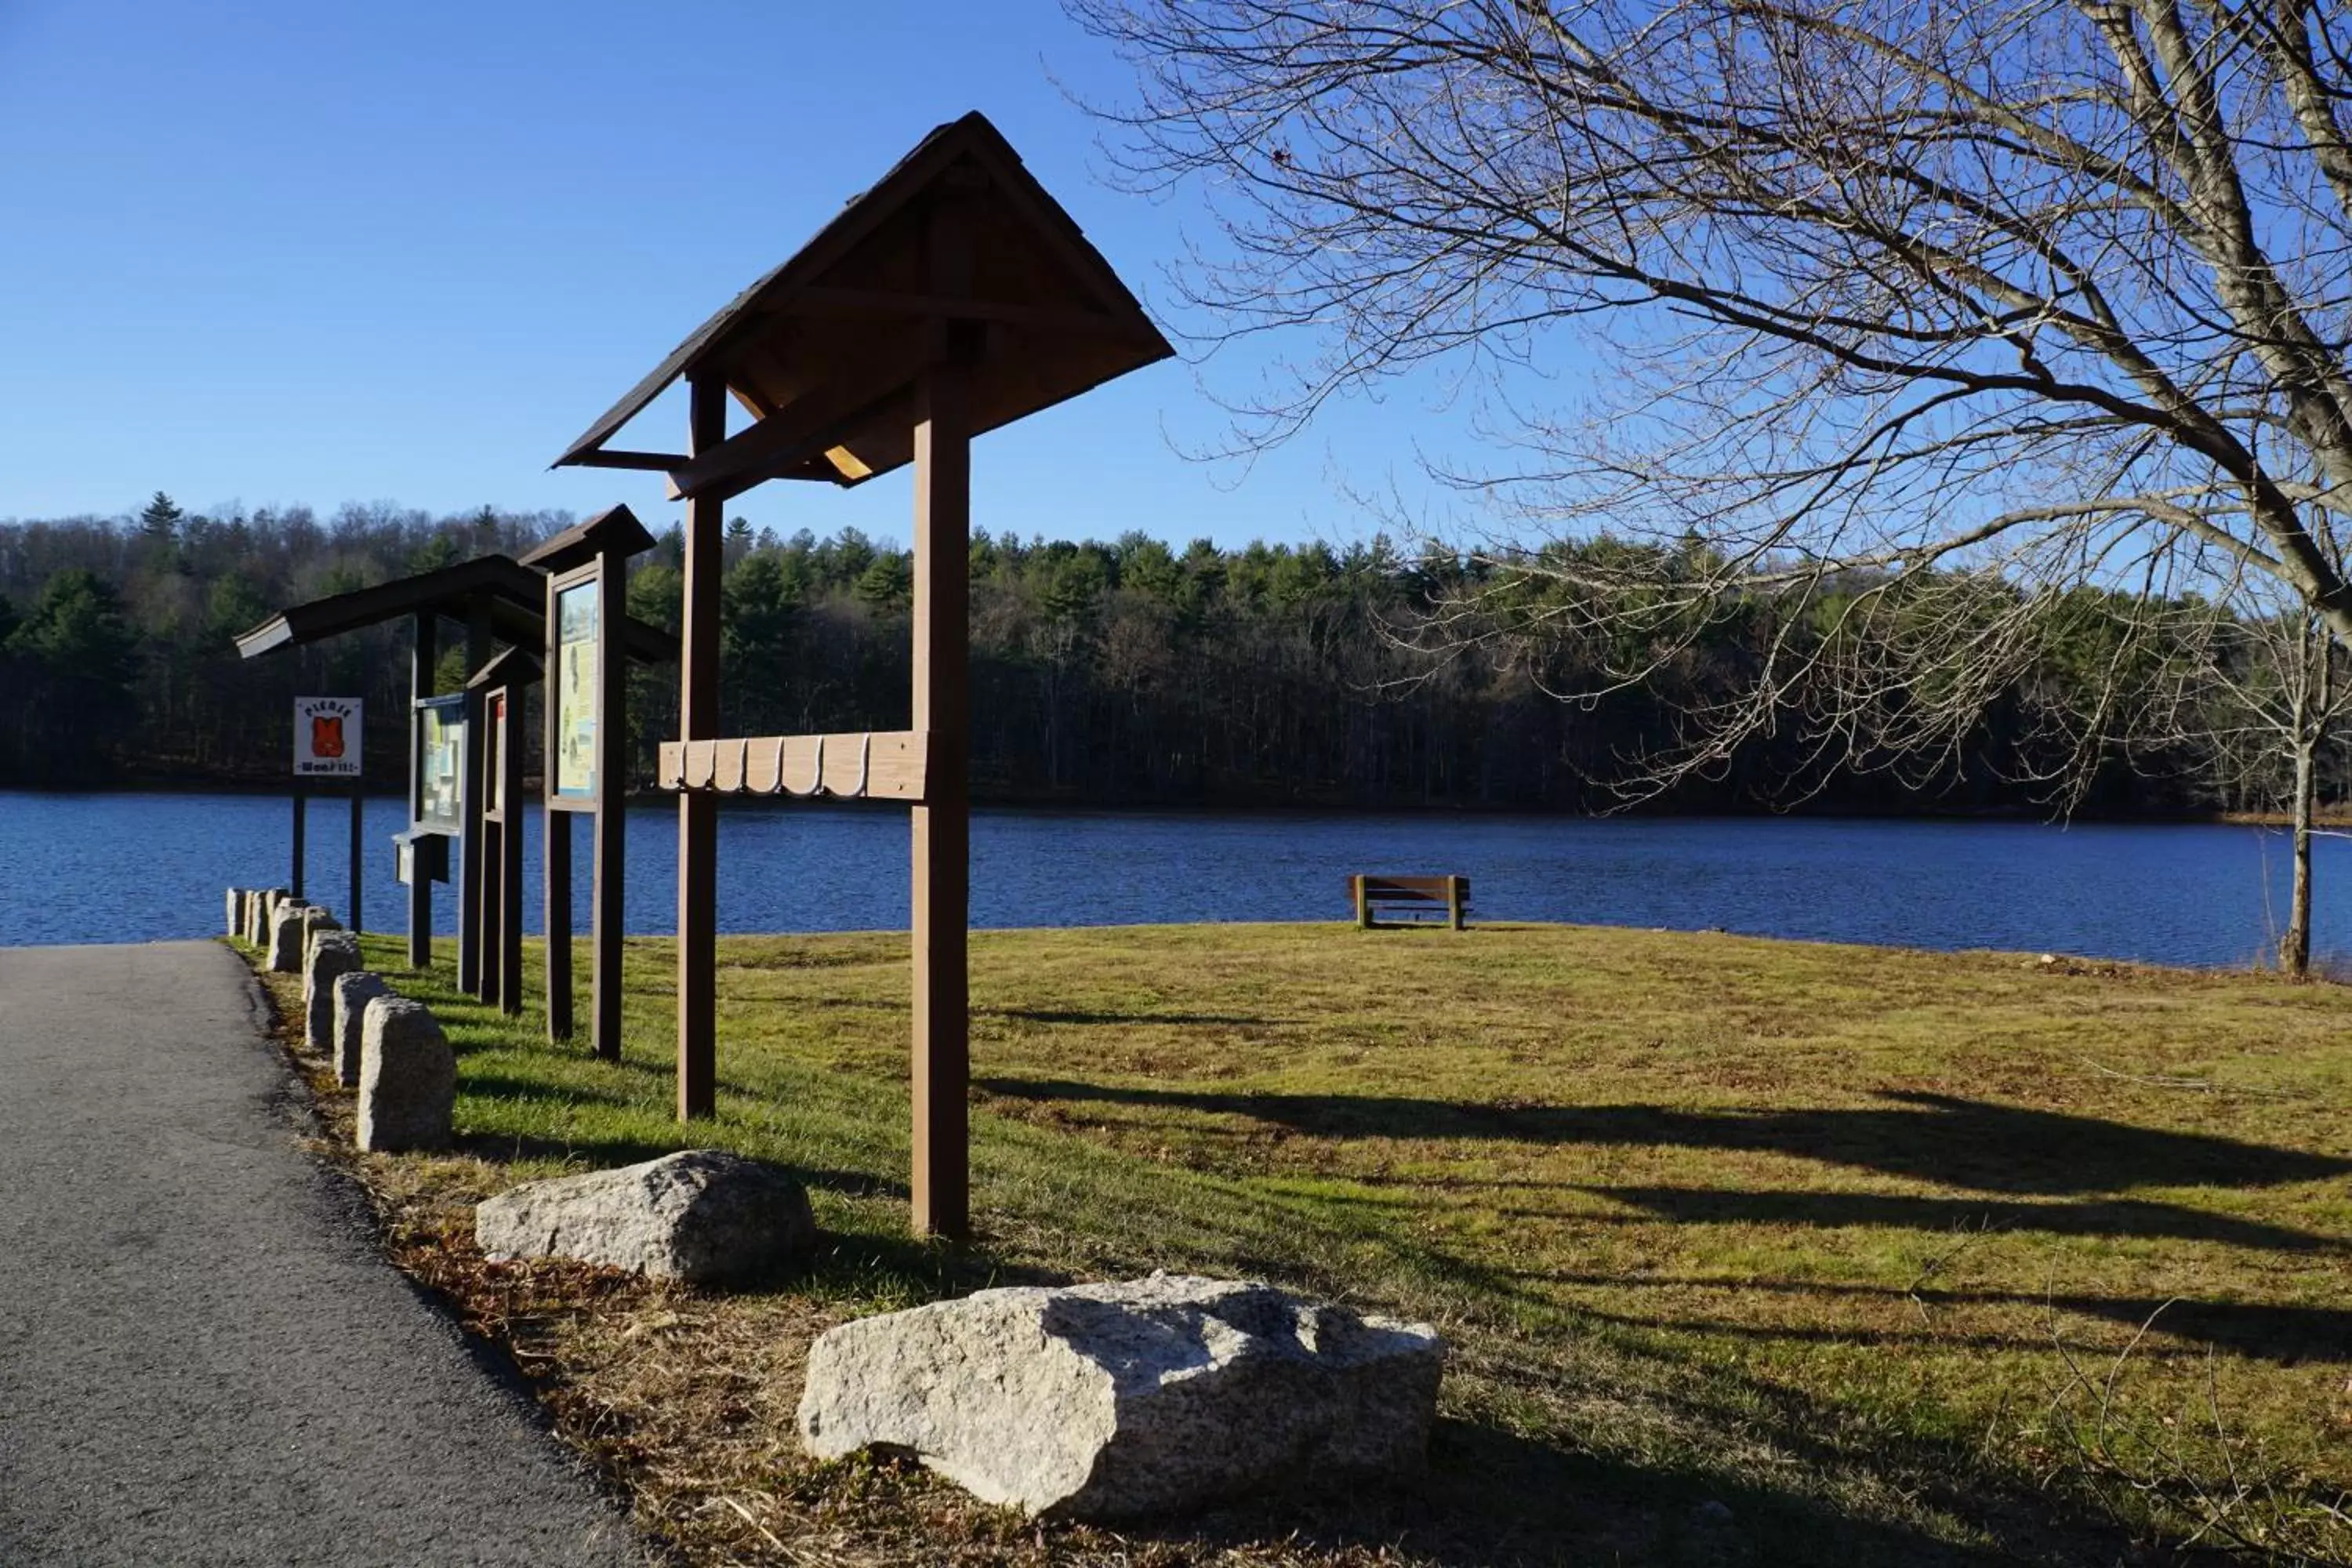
<point>577,610</point>
<point>327,737</point>
<point>441,748</point>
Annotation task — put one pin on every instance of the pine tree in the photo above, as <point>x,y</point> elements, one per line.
<point>161,518</point>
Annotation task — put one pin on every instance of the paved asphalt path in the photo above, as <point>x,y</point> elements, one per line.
<point>203,1359</point>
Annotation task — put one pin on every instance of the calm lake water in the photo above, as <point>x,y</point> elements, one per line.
<point>130,867</point>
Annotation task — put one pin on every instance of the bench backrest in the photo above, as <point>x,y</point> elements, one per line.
<point>1410,889</point>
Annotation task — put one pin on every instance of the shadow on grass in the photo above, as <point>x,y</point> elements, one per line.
<point>1926,1137</point>
<point>1492,1499</point>
<point>602,1153</point>
<point>1048,1015</point>
<point>2286,1334</point>
<point>2114,1216</point>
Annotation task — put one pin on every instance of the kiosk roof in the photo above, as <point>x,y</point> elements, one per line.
<point>617,530</point>
<point>514,595</point>
<point>824,351</point>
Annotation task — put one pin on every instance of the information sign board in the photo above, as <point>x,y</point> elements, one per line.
<point>327,737</point>
<point>441,745</point>
<point>576,611</point>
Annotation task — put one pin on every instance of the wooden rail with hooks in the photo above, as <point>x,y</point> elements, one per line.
<point>859,765</point>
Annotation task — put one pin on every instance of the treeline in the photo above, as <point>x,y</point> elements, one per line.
<point>1121,672</point>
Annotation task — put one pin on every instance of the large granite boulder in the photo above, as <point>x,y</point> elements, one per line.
<point>289,932</point>
<point>408,1078</point>
<point>703,1214</point>
<point>351,995</point>
<point>332,955</point>
<point>1111,1401</point>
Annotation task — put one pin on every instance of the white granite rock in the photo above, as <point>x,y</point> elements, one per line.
<point>235,912</point>
<point>701,1214</point>
<point>316,921</point>
<point>1111,1401</point>
<point>259,907</point>
<point>332,955</point>
<point>408,1078</point>
<point>289,929</point>
<point>352,994</point>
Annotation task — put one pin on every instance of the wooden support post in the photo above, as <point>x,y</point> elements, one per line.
<point>1363,904</point>
<point>352,916</point>
<point>469,859</point>
<point>555,877</point>
<point>608,920</point>
<point>942,824</point>
<point>1453,902</point>
<point>555,839</point>
<point>697,813</point>
<point>421,656</point>
<point>300,802</point>
<point>494,900</point>
<point>510,820</point>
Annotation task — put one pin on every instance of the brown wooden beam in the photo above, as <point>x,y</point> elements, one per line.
<point>555,880</point>
<point>698,815</point>
<point>510,820</point>
<point>422,653</point>
<point>942,824</point>
<point>791,437</point>
<point>608,921</point>
<point>658,462</point>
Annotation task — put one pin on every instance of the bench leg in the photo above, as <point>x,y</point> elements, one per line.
<point>1363,904</point>
<point>1453,902</point>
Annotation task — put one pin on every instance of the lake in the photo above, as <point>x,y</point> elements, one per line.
<point>132,867</point>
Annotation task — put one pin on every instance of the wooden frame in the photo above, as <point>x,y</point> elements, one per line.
<point>953,297</point>
<point>495,701</point>
<point>590,558</point>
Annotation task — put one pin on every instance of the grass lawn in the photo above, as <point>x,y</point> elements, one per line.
<point>1749,1251</point>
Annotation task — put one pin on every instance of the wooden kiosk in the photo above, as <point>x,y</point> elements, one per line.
<point>585,757</point>
<point>496,600</point>
<point>494,715</point>
<point>953,297</point>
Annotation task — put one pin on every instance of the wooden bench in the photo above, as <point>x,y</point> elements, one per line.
<point>1417,899</point>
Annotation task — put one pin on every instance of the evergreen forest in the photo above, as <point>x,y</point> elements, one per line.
<point>1133,671</point>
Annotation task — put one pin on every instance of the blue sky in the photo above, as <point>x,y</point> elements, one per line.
<point>275,253</point>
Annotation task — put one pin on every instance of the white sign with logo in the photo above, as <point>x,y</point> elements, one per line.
<point>327,737</point>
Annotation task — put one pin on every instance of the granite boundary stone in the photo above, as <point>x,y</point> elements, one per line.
<point>1118,1400</point>
<point>408,1078</point>
<point>352,993</point>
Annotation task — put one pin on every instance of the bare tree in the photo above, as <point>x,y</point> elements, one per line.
<point>1903,327</point>
<point>2269,697</point>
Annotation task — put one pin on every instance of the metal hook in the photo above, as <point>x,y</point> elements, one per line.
<point>865,762</point>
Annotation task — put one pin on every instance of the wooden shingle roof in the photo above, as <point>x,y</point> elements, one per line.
<point>823,350</point>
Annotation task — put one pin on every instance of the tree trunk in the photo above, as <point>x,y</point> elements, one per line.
<point>2294,947</point>
<point>2312,708</point>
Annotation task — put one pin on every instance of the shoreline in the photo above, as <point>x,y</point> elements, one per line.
<point>2336,815</point>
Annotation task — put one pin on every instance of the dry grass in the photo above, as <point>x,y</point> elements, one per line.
<point>1817,1236</point>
